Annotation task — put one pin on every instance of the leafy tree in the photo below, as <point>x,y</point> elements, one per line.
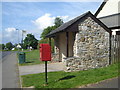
<point>3,46</point>
<point>47,30</point>
<point>23,46</point>
<point>15,45</point>
<point>58,22</point>
<point>9,45</point>
<point>46,40</point>
<point>30,40</point>
<point>0,46</point>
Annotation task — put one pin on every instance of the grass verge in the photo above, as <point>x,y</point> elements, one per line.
<point>63,79</point>
<point>32,57</point>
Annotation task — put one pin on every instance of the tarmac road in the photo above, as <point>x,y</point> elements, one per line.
<point>5,53</point>
<point>109,83</point>
<point>10,73</point>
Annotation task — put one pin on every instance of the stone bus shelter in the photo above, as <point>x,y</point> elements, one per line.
<point>82,43</point>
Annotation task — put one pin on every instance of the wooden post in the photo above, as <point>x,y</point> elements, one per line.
<point>118,48</point>
<point>110,52</point>
<point>50,41</point>
<point>67,44</point>
<point>114,50</point>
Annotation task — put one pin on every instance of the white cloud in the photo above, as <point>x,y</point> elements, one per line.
<point>47,20</point>
<point>64,18</point>
<point>10,30</point>
<point>44,21</point>
<point>11,35</point>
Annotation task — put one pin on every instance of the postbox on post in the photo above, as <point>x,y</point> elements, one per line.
<point>45,55</point>
<point>45,52</point>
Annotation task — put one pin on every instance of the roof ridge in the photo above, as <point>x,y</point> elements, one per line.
<point>70,22</point>
<point>67,25</point>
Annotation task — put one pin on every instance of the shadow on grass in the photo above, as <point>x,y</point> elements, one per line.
<point>29,62</point>
<point>67,77</point>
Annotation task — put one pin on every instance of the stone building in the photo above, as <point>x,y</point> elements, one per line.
<point>82,43</point>
<point>109,14</point>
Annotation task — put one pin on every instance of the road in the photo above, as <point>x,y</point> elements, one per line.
<point>10,73</point>
<point>6,53</point>
<point>109,83</point>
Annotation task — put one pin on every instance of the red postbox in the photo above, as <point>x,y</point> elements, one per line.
<point>45,52</point>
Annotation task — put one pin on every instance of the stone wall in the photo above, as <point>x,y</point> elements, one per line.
<point>91,47</point>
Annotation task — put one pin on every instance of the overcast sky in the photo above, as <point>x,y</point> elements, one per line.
<point>35,16</point>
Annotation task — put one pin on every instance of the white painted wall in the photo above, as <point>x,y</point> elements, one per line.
<point>62,44</point>
<point>111,7</point>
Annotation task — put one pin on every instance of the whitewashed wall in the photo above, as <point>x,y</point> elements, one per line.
<point>111,7</point>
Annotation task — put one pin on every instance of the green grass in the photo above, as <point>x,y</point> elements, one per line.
<point>63,79</point>
<point>32,57</point>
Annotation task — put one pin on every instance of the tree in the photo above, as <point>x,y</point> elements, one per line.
<point>9,45</point>
<point>0,46</point>
<point>47,30</point>
<point>47,41</point>
<point>30,40</point>
<point>23,46</point>
<point>58,22</point>
<point>3,46</point>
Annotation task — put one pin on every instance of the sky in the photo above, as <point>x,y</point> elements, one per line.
<point>33,17</point>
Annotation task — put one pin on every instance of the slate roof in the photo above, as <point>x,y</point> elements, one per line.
<point>111,21</point>
<point>66,25</point>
